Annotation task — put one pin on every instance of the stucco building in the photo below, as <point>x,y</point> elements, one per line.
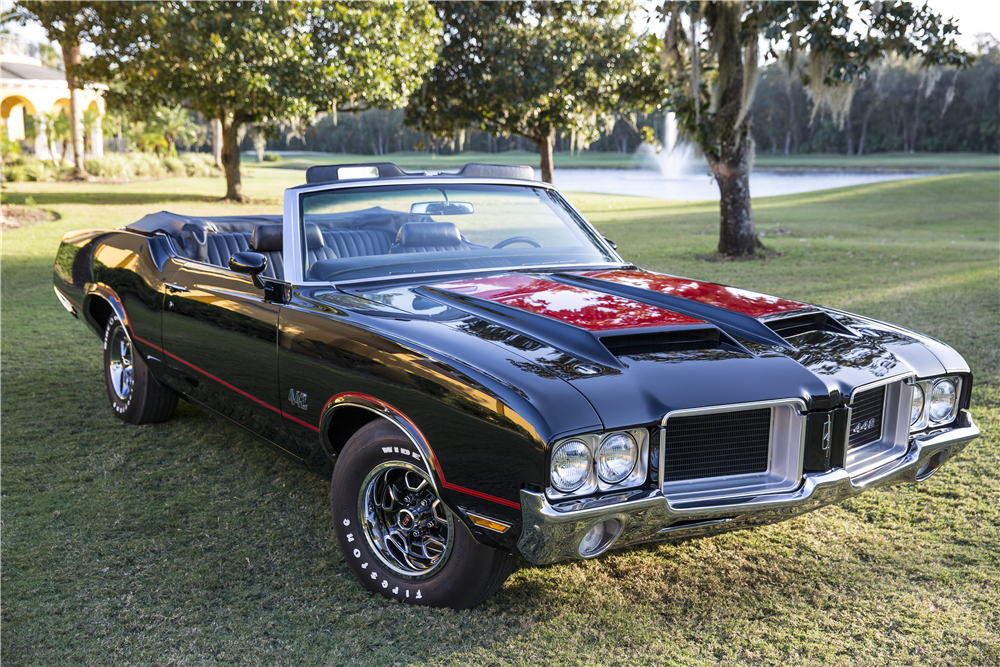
<point>28,87</point>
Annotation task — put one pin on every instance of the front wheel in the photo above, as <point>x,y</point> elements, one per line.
<point>136,396</point>
<point>398,537</point>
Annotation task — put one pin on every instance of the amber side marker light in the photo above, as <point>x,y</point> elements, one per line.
<point>488,523</point>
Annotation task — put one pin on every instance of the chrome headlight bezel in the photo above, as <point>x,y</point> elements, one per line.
<point>582,447</point>
<point>926,387</point>
<point>593,482</point>
<point>604,455</point>
<point>952,405</point>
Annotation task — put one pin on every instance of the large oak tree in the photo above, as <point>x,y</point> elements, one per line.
<point>253,62</point>
<point>530,68</point>
<point>710,55</point>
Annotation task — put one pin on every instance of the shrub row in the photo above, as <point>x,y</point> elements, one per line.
<point>113,167</point>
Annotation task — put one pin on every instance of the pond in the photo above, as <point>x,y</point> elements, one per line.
<point>693,186</point>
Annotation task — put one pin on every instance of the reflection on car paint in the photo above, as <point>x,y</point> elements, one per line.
<point>730,298</point>
<point>587,309</point>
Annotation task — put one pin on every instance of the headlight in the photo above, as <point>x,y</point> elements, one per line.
<point>570,465</point>
<point>944,397</point>
<point>616,457</point>
<point>916,404</point>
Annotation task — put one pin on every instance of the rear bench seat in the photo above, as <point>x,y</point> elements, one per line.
<point>357,242</point>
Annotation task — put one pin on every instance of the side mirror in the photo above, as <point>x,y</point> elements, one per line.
<point>614,246</point>
<point>251,264</point>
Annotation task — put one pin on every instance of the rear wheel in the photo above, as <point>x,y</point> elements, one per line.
<point>136,396</point>
<point>398,537</point>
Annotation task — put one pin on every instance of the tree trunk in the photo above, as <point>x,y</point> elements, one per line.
<point>231,158</point>
<point>864,127</point>
<point>71,58</point>
<point>737,235</point>
<point>544,145</point>
<point>731,154</point>
<point>850,134</point>
<point>217,141</point>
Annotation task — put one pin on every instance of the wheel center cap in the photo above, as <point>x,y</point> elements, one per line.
<point>412,517</point>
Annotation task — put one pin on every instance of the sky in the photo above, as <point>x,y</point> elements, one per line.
<point>974,16</point>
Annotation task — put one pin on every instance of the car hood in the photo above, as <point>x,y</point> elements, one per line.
<point>638,344</point>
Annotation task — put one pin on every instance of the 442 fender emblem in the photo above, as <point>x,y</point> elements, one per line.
<point>298,399</point>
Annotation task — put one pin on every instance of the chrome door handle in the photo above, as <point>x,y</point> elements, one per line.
<point>176,288</point>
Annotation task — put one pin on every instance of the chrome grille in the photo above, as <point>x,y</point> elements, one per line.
<point>717,445</point>
<point>866,417</point>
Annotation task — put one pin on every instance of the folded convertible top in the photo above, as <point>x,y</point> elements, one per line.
<point>176,224</point>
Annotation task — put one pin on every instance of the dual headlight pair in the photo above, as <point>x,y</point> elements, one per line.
<point>934,402</point>
<point>590,462</point>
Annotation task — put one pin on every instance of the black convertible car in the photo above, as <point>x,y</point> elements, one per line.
<point>485,378</point>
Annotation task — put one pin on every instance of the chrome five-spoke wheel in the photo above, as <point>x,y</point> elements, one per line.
<point>120,363</point>
<point>406,525</point>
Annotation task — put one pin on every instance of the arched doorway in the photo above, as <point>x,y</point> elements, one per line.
<point>12,113</point>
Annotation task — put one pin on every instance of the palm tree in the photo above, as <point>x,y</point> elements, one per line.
<point>45,122</point>
<point>176,125</point>
<point>89,122</point>
<point>61,131</point>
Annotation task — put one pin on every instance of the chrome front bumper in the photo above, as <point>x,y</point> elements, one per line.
<point>551,535</point>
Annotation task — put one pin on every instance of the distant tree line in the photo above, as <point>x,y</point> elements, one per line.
<point>382,131</point>
<point>899,106</point>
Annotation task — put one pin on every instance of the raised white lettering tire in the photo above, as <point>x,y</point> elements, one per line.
<point>397,536</point>
<point>136,396</point>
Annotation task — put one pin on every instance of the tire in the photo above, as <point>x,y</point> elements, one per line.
<point>382,503</point>
<point>136,396</point>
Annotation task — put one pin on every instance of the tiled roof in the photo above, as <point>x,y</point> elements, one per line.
<point>13,71</point>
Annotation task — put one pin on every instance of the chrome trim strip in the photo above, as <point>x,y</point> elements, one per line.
<point>412,180</point>
<point>542,268</point>
<point>903,377</point>
<point>550,535</point>
<point>777,317</point>
<point>733,407</point>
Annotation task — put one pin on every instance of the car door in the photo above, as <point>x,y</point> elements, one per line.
<point>220,343</point>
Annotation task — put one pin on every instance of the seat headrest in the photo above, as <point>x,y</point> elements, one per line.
<point>314,237</point>
<point>433,234</point>
<point>269,238</point>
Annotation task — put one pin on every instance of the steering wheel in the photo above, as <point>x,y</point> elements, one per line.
<point>517,239</point>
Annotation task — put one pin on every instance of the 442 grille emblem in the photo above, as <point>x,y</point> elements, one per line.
<point>298,399</point>
<point>861,427</point>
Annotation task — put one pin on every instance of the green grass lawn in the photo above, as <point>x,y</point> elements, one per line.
<point>881,161</point>
<point>190,543</point>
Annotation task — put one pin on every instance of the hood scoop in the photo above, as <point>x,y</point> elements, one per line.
<point>705,338</point>
<point>812,322</point>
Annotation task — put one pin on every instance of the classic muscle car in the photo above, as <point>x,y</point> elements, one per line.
<point>484,378</point>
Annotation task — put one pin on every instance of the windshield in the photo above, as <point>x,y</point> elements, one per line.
<point>395,230</point>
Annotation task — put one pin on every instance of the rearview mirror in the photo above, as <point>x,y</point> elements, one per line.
<point>442,208</point>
